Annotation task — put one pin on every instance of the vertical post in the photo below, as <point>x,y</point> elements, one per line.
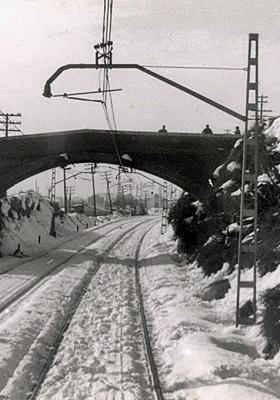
<point>123,198</point>
<point>65,191</point>
<point>92,169</point>
<point>261,110</point>
<point>53,184</point>
<point>7,125</point>
<point>108,191</point>
<point>249,174</point>
<point>70,198</point>
<point>131,196</point>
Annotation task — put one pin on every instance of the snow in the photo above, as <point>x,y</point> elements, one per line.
<point>30,329</point>
<point>232,166</point>
<point>199,352</point>
<point>274,130</point>
<point>102,354</point>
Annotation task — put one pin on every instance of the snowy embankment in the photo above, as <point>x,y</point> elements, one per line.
<point>200,353</point>
<point>26,220</point>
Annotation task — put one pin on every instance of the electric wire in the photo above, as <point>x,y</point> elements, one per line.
<point>111,14</point>
<point>107,29</point>
<point>111,103</point>
<point>195,67</point>
<point>103,30</point>
<point>15,127</point>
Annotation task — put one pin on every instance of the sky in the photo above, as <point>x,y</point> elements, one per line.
<point>38,36</point>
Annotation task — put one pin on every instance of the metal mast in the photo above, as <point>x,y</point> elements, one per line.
<point>247,250</point>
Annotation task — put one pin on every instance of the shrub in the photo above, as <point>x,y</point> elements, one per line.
<point>271,321</point>
<point>183,217</point>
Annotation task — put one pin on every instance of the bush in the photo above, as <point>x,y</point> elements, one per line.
<point>271,321</point>
<point>183,217</point>
<point>212,255</point>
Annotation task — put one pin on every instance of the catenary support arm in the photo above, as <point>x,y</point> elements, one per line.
<point>47,88</point>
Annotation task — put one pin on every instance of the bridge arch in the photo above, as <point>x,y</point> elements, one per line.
<point>187,160</point>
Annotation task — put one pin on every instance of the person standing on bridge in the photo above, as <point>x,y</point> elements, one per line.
<point>237,131</point>
<point>163,129</point>
<point>207,130</point>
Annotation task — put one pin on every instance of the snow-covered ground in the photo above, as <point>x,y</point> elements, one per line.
<point>102,355</point>
<point>199,353</point>
<point>28,330</point>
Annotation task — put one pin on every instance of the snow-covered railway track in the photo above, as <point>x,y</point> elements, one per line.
<point>148,346</point>
<point>107,335</point>
<point>34,330</point>
<point>15,288</point>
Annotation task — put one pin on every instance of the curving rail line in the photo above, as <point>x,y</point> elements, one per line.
<point>36,389</point>
<point>150,357</point>
<point>27,288</point>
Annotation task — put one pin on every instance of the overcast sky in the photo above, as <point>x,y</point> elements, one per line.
<point>38,36</point>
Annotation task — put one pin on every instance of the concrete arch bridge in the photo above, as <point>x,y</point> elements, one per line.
<point>185,159</point>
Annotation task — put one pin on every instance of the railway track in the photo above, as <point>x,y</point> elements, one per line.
<point>150,357</point>
<point>10,297</point>
<point>153,388</point>
<point>36,389</point>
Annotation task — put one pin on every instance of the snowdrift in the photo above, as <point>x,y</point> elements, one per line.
<point>26,220</point>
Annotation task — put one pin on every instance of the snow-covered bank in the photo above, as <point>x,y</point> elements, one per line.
<point>27,219</point>
<point>200,353</point>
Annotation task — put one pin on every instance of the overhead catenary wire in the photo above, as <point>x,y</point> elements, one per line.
<point>107,30</point>
<point>196,67</point>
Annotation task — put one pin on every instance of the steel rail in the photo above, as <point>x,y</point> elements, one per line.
<point>47,89</point>
<point>151,360</point>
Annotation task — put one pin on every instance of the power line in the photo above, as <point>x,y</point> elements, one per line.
<point>195,67</point>
<point>7,122</point>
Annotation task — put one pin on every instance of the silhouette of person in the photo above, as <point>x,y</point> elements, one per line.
<point>207,130</point>
<point>237,131</point>
<point>163,129</point>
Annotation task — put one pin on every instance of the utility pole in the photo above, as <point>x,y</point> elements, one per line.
<point>7,122</point>
<point>106,176</point>
<point>131,196</point>
<point>65,189</point>
<point>263,100</point>
<point>52,191</point>
<point>120,192</point>
<point>92,170</point>
<point>164,209</point>
<point>71,190</point>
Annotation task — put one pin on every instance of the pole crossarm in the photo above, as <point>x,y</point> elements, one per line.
<point>59,71</point>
